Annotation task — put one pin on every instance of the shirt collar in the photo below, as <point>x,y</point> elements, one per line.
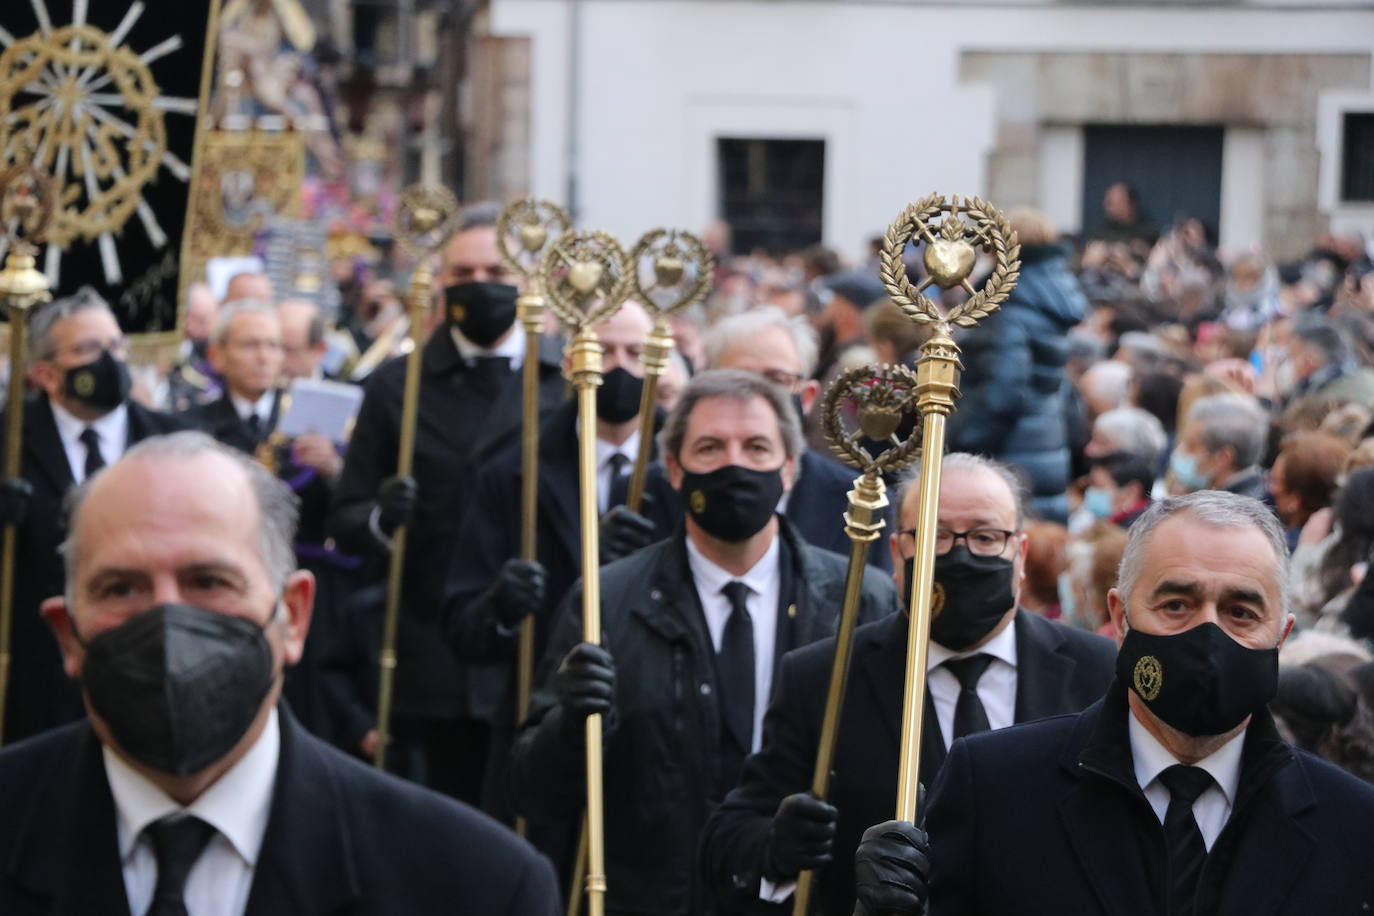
<point>1002,646</point>
<point>111,428</point>
<point>710,578</point>
<point>1151,758</point>
<point>629,448</point>
<point>262,407</point>
<point>512,348</point>
<point>237,804</point>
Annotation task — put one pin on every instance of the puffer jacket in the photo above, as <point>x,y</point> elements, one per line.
<point>1013,382</point>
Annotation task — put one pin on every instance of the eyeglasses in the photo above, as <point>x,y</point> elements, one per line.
<point>982,542</point>
<point>783,379</point>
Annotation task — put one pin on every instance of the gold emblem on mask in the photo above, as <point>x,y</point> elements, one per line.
<point>698,502</point>
<point>1148,677</point>
<point>937,600</point>
<point>84,384</point>
<point>457,313</point>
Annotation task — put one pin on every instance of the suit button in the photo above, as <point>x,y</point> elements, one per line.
<point>656,594</point>
<point>705,690</point>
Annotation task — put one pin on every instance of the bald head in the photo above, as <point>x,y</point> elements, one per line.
<point>248,285</point>
<point>201,309</point>
<point>302,337</point>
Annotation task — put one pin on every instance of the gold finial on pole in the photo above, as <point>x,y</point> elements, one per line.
<point>879,398</point>
<point>26,212</point>
<point>586,277</point>
<point>681,270</point>
<point>952,247</point>
<point>425,218</point>
<point>529,223</point>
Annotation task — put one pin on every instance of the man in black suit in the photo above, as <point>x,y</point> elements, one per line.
<point>768,829</point>
<point>693,629</point>
<point>190,788</point>
<point>767,342</point>
<point>80,419</point>
<point>1174,793</point>
<point>470,406</point>
<point>246,351</point>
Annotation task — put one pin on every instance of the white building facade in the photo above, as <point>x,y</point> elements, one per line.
<point>626,103</point>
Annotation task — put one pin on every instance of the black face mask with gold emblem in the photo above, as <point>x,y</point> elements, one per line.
<point>103,383</point>
<point>732,503</point>
<point>972,595</point>
<point>481,312</point>
<point>1200,681</point>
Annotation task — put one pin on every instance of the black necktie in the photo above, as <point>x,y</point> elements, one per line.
<point>487,373</point>
<point>178,844</point>
<point>254,424</point>
<point>970,717</point>
<point>94,460</point>
<point>620,481</point>
<point>1182,838</point>
<point>737,666</point>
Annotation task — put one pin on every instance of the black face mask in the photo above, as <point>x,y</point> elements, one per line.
<point>617,400</point>
<point>178,686</point>
<point>972,595</point>
<point>1200,681</point>
<point>732,503</point>
<point>103,383</point>
<point>481,312</point>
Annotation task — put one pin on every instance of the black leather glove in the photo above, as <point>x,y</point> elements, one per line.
<point>800,837</point>
<point>623,532</point>
<point>396,502</point>
<point>892,870</point>
<point>585,684</point>
<point>15,493</point>
<point>518,591</point>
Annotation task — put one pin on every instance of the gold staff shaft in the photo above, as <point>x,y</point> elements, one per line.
<point>657,348</point>
<point>863,523</point>
<point>937,384</point>
<point>579,868</point>
<point>531,310</point>
<point>405,460</point>
<point>586,372</point>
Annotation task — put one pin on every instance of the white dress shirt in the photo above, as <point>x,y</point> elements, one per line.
<point>237,805</point>
<point>765,583</point>
<point>512,348</point>
<point>604,452</point>
<point>1213,806</point>
<point>996,688</point>
<point>113,430</point>
<point>262,408</point>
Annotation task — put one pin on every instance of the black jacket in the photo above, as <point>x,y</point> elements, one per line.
<point>221,420</point>
<point>40,693</point>
<point>341,839</point>
<point>1048,818</point>
<point>490,536</point>
<point>461,423</point>
<point>818,502</point>
<point>1058,670</point>
<point>1013,386</point>
<point>663,744</point>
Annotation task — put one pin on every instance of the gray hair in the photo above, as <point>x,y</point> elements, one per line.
<point>41,346</point>
<point>1135,431</point>
<point>278,506</point>
<point>1313,331</point>
<point>1111,378</point>
<point>477,214</point>
<point>1235,420</point>
<point>231,310</point>
<point>967,461</point>
<point>746,324</point>
<point>1216,508</point>
<point>737,385</point>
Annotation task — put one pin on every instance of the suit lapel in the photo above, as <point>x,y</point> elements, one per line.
<point>1271,844</point>
<point>1043,672</point>
<point>1092,820</point>
<point>306,864</point>
<point>48,455</point>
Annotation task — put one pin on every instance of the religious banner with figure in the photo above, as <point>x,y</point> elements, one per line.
<point>108,97</point>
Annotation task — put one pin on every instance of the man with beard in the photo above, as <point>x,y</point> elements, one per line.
<point>692,630</point>
<point>470,405</point>
<point>990,664</point>
<point>80,419</point>
<point>191,788</point>
<point>1174,793</point>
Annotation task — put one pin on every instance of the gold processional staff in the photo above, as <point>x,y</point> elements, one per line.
<point>26,209</point>
<point>425,218</point>
<point>529,224</point>
<point>879,397</point>
<point>953,232</point>
<point>586,277</point>
<point>667,253</point>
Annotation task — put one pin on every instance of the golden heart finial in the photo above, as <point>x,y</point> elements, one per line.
<point>873,402</point>
<point>523,232</point>
<point>426,216</point>
<point>671,270</point>
<point>585,276</point>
